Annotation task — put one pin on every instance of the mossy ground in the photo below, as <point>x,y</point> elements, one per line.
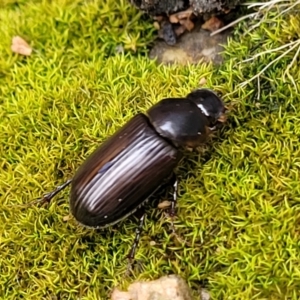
<point>239,207</point>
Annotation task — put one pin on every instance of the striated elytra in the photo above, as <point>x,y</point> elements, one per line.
<point>134,162</point>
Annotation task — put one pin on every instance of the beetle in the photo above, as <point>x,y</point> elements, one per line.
<point>129,167</point>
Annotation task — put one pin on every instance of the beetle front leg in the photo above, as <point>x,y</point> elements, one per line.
<point>172,210</point>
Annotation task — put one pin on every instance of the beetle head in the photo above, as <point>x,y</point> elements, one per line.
<point>210,104</point>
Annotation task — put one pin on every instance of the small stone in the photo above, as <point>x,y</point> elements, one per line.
<point>179,30</point>
<point>191,48</point>
<point>156,25</point>
<point>119,49</point>
<point>202,81</point>
<point>188,24</point>
<point>118,295</point>
<point>171,287</point>
<point>66,218</point>
<point>167,33</point>
<point>186,14</point>
<point>204,294</point>
<point>164,204</point>
<point>20,46</point>
<point>213,24</point>
<point>174,18</point>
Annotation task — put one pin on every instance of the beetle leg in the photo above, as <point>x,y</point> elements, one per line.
<point>135,244</point>
<point>172,211</point>
<point>47,197</point>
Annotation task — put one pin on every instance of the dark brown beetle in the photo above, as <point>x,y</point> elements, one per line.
<point>132,164</point>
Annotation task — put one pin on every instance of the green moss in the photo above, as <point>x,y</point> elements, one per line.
<point>239,198</point>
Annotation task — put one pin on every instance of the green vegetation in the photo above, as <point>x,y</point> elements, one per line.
<point>239,208</point>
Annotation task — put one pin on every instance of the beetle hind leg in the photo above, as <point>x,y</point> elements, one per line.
<point>48,197</point>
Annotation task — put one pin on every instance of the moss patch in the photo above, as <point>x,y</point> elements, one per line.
<point>239,207</point>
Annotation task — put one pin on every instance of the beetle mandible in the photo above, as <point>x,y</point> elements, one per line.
<point>132,164</point>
